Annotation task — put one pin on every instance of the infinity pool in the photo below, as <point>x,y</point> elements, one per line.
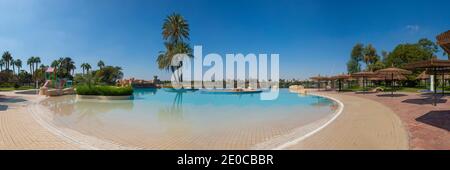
<point>161,119</point>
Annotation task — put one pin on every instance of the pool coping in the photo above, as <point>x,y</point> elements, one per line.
<point>298,139</point>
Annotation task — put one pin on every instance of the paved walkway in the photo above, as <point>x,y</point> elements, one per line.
<point>363,124</point>
<point>428,125</point>
<point>19,130</point>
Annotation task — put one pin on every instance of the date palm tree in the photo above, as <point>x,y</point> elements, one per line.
<point>18,64</point>
<point>13,64</point>
<point>100,64</point>
<point>67,66</point>
<point>86,67</point>
<point>175,34</point>
<point>2,63</point>
<point>7,58</point>
<point>36,61</point>
<point>30,62</point>
<point>175,28</point>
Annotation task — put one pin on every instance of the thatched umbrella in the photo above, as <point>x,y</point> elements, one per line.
<point>364,75</point>
<point>444,41</point>
<point>319,79</point>
<point>433,67</point>
<point>393,71</point>
<point>339,78</point>
<point>423,77</point>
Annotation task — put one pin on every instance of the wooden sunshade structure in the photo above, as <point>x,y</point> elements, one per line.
<point>364,75</point>
<point>434,67</point>
<point>423,76</point>
<point>339,78</point>
<point>319,79</point>
<point>444,41</point>
<point>393,73</point>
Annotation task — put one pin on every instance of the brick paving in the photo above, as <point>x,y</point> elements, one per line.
<point>428,126</point>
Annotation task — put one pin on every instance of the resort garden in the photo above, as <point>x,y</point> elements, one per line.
<point>384,71</point>
<point>90,82</point>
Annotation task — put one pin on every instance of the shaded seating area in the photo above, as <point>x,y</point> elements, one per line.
<point>340,80</point>
<point>392,74</point>
<point>364,75</point>
<point>433,67</point>
<point>321,80</point>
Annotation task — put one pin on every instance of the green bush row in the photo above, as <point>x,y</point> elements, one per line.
<point>104,90</point>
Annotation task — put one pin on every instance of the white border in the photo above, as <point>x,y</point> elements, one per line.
<point>299,139</point>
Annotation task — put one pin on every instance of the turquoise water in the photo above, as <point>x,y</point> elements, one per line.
<point>161,119</point>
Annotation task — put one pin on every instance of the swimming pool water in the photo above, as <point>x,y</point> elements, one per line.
<point>163,119</point>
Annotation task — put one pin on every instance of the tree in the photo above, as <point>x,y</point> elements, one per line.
<point>175,32</point>
<point>36,61</point>
<point>100,64</point>
<point>24,77</point>
<point>30,62</point>
<point>18,64</point>
<point>370,55</point>
<point>13,64</point>
<point>406,53</point>
<point>428,46</point>
<point>175,29</point>
<point>353,66</point>
<point>376,66</point>
<point>7,58</point>
<point>86,67</point>
<point>2,63</point>
<point>109,74</point>
<point>357,52</point>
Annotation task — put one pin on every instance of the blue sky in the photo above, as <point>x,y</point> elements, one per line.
<point>311,36</point>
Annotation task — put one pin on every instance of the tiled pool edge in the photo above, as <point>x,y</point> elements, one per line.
<point>303,137</point>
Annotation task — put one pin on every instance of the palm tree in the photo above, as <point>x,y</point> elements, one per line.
<point>2,63</point>
<point>7,58</point>
<point>175,28</point>
<point>37,61</point>
<point>101,64</point>
<point>30,62</point>
<point>13,64</point>
<point>18,64</point>
<point>85,66</point>
<point>175,31</point>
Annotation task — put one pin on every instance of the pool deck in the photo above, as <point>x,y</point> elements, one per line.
<point>18,128</point>
<point>363,124</point>
<point>368,121</point>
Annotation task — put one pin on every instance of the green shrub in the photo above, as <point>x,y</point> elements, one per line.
<point>104,90</point>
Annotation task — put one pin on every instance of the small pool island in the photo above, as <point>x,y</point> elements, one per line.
<point>104,92</point>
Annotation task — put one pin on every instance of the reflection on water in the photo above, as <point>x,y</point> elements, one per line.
<point>146,91</point>
<point>84,109</point>
<point>195,120</point>
<point>324,102</point>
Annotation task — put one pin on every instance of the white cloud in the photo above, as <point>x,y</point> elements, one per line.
<point>412,28</point>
